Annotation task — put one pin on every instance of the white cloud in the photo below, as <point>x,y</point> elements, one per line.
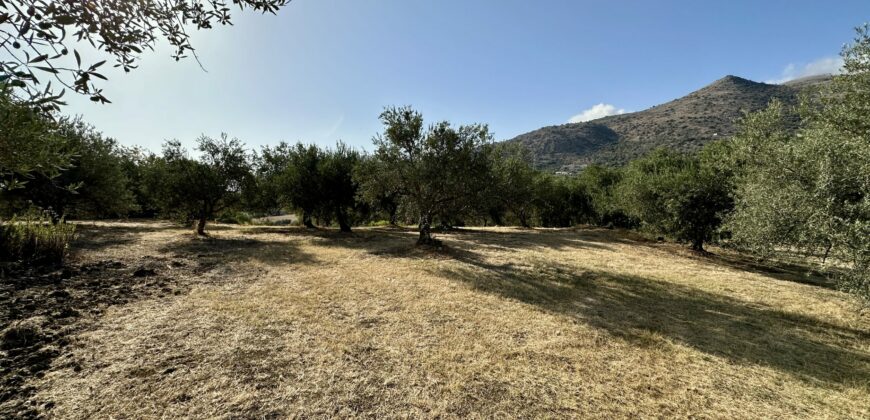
<point>598,111</point>
<point>826,65</point>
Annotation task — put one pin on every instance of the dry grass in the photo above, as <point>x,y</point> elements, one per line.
<point>502,323</point>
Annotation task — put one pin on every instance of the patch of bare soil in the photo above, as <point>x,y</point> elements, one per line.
<point>42,308</point>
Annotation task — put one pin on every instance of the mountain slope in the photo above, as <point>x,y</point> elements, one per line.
<point>685,124</point>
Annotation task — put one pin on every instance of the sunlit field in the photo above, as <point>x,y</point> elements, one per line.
<point>265,322</point>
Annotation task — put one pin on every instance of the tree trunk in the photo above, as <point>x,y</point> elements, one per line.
<point>53,215</point>
<point>200,225</point>
<point>827,252</point>
<point>394,216</point>
<point>306,219</point>
<point>524,220</point>
<point>426,231</point>
<point>698,245</point>
<point>496,218</point>
<point>343,224</point>
<point>206,211</point>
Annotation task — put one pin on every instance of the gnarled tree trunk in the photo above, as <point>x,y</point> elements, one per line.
<point>206,211</point>
<point>426,231</point>
<point>524,219</point>
<point>343,223</point>
<point>200,225</point>
<point>495,215</point>
<point>306,219</point>
<point>394,217</point>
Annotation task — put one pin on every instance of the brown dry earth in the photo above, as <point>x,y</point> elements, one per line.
<point>147,321</point>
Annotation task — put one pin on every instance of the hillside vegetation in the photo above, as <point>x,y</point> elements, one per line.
<point>684,124</point>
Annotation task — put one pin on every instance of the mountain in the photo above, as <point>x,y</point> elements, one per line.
<point>684,124</point>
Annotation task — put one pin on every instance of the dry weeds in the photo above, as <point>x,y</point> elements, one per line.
<point>280,322</point>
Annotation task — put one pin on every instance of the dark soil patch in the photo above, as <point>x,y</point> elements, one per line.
<point>42,308</point>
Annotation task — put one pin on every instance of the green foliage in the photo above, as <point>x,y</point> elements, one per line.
<point>338,188</point>
<point>317,182</point>
<point>94,184</point>
<point>560,201</point>
<point>134,163</point>
<point>38,36</point>
<point>600,183</point>
<point>196,189</point>
<point>672,194</point>
<point>290,178</point>
<point>810,192</point>
<point>513,183</point>
<point>34,239</point>
<point>235,217</point>
<point>438,171</point>
<point>30,144</point>
<point>381,195</point>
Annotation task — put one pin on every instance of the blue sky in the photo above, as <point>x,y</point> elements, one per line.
<point>322,70</point>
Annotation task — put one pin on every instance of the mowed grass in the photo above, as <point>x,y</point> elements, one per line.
<point>284,322</point>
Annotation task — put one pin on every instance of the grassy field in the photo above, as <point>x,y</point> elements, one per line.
<point>284,322</point>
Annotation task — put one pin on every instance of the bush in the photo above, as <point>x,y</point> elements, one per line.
<point>34,239</point>
<point>235,218</point>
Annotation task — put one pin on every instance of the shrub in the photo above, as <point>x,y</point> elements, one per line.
<point>33,239</point>
<point>235,217</point>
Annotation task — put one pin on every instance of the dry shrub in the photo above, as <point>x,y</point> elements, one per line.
<point>34,239</point>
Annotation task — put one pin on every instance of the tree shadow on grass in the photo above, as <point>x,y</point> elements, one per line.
<point>786,271</point>
<point>525,239</point>
<point>96,236</point>
<point>637,309</point>
<point>604,239</point>
<point>466,244</point>
<point>372,240</point>
<point>213,250</point>
<point>92,237</point>
<point>400,241</point>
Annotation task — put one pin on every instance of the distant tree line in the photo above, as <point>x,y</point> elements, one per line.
<point>768,190</point>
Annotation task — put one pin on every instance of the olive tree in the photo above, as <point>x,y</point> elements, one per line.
<point>810,191</point>
<point>672,194</point>
<point>93,184</point>
<point>435,169</point>
<point>513,183</point>
<point>30,144</point>
<point>317,182</point>
<point>290,175</point>
<point>382,195</point>
<point>195,189</point>
<point>600,184</point>
<point>339,190</point>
